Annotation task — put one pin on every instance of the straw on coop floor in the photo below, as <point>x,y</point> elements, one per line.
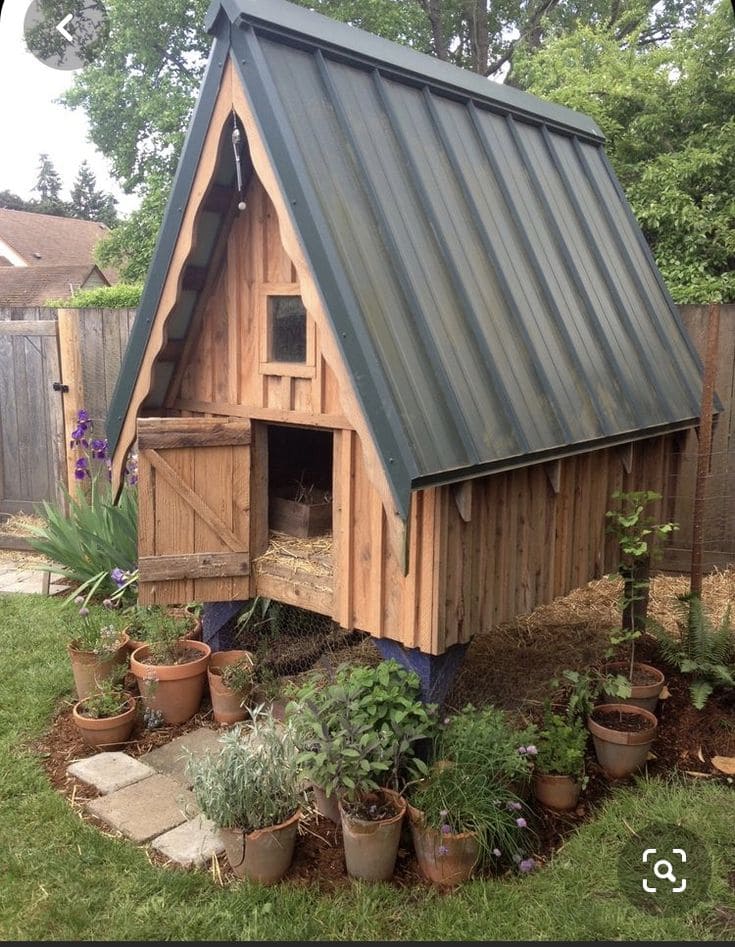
<point>292,557</point>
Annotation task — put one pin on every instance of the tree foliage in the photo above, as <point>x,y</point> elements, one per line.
<point>657,77</point>
<point>89,203</point>
<point>48,188</point>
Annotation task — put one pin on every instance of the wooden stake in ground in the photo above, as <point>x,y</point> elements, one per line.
<point>705,445</point>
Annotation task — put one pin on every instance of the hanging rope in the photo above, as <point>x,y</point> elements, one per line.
<point>236,140</point>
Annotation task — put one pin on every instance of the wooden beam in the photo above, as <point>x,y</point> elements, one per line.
<point>294,592</point>
<point>462,493</point>
<point>40,327</point>
<point>275,415</point>
<point>155,433</point>
<point>553,472</point>
<point>70,366</point>
<point>203,565</point>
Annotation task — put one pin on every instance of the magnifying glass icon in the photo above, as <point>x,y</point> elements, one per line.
<point>663,869</point>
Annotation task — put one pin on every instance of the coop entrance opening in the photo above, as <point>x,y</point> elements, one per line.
<point>299,481</point>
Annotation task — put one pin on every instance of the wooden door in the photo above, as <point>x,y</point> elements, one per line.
<point>193,510</point>
<point>32,451</point>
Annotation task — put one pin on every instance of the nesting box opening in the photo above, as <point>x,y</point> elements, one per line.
<point>299,481</point>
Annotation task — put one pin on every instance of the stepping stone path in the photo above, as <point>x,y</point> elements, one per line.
<point>149,800</point>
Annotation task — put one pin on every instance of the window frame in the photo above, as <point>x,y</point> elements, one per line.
<point>267,365</point>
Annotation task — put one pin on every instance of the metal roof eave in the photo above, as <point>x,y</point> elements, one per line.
<point>290,23</point>
<point>458,475</point>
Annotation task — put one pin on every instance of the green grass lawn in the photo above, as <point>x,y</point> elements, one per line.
<point>62,879</point>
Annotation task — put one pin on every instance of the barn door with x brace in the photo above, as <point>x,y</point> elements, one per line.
<point>193,510</point>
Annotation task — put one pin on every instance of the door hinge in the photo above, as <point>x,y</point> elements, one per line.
<point>58,386</point>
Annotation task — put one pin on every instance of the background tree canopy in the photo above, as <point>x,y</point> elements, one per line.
<point>659,78</point>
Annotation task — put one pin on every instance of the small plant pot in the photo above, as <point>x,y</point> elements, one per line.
<point>556,792</point>
<point>326,806</point>
<point>446,860</point>
<point>264,855</point>
<point>174,690</point>
<point>621,752</point>
<point>371,847</point>
<point>90,668</point>
<point>226,703</point>
<point>641,695</point>
<point>105,733</point>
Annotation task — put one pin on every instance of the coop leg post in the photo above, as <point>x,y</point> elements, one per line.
<point>436,671</point>
<point>215,618</point>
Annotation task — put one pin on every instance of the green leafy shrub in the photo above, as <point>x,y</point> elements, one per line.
<point>703,652</point>
<point>561,745</point>
<point>253,782</point>
<point>120,296</point>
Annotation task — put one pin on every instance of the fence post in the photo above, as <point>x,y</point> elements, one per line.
<point>705,445</point>
<point>71,375</point>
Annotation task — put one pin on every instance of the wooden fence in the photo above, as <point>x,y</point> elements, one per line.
<point>719,514</point>
<point>79,350</point>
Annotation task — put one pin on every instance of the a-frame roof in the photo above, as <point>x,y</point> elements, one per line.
<point>493,297</point>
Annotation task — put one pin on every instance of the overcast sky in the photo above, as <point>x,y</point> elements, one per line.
<point>31,123</point>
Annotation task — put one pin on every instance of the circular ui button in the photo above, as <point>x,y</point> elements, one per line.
<point>66,34</point>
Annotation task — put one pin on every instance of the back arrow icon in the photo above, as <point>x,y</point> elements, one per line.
<point>60,27</point>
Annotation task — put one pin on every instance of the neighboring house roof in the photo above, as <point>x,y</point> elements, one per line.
<point>493,296</point>
<point>45,240</point>
<point>22,286</point>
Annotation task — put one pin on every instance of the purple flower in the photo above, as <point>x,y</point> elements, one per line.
<point>521,823</point>
<point>528,864</point>
<point>497,853</point>
<point>83,611</point>
<point>79,474</point>
<point>442,850</point>
<point>531,750</point>
<point>446,829</point>
<point>118,577</point>
<point>83,416</point>
<point>79,600</point>
<point>522,750</point>
<point>99,448</point>
<point>108,603</point>
<point>513,806</point>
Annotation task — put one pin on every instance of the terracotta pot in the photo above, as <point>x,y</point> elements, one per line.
<point>264,855</point>
<point>106,733</point>
<point>89,668</point>
<point>445,860</point>
<point>371,848</point>
<point>619,752</point>
<point>641,695</point>
<point>326,806</point>
<point>175,690</point>
<point>226,703</point>
<point>556,792</point>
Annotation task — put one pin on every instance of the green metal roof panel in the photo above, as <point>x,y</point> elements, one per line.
<point>492,294</point>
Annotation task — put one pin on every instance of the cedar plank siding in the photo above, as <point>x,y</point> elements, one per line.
<point>524,544</point>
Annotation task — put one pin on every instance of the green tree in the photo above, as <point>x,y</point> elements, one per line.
<point>88,202</point>
<point>11,201</point>
<point>48,188</point>
<point>667,112</point>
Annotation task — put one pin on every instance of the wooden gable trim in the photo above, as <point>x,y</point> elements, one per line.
<point>172,287</point>
<point>397,529</point>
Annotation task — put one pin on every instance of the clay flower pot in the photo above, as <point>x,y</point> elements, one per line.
<point>641,695</point>
<point>445,860</point>
<point>622,751</point>
<point>371,847</point>
<point>264,855</point>
<point>174,690</point>
<point>89,668</point>
<point>226,703</point>
<point>556,792</point>
<point>326,806</point>
<point>105,733</point>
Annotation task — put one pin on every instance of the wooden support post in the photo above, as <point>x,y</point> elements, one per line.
<point>71,375</point>
<point>705,446</point>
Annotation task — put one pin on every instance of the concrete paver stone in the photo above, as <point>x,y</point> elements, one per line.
<point>191,843</point>
<point>108,772</point>
<point>145,809</point>
<point>170,759</point>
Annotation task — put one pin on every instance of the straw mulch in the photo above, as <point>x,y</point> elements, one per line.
<point>511,664</point>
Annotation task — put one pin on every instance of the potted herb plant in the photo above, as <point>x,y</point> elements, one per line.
<point>230,675</point>
<point>106,718</point>
<point>145,621</point>
<point>359,736</point>
<point>250,790</point>
<point>558,777</point>
<point>172,670</point>
<point>629,681</point>
<point>464,813</point>
<point>97,646</point>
